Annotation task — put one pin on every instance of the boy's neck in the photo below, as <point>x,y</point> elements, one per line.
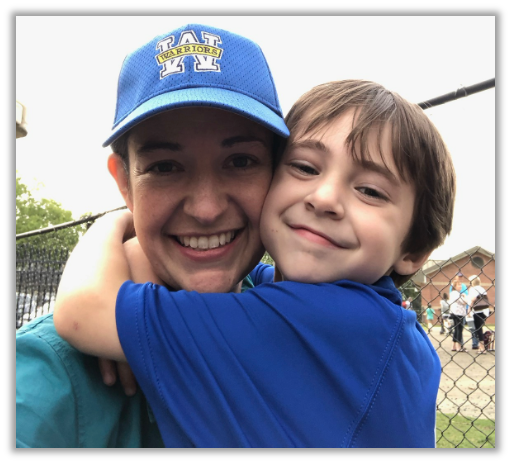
<point>278,276</point>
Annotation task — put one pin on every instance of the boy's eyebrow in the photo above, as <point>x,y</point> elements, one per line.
<point>379,168</point>
<point>364,163</point>
<point>309,143</point>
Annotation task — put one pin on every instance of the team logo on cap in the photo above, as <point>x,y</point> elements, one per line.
<point>204,53</point>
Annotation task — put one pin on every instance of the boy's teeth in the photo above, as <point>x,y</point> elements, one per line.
<point>207,243</point>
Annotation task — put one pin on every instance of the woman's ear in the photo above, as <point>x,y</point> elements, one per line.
<point>118,172</point>
<point>409,263</point>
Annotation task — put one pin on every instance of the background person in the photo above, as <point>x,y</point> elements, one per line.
<point>472,329</point>
<point>445,313</point>
<point>430,316</point>
<point>478,312</point>
<point>222,132</point>
<point>458,303</point>
<point>464,291</point>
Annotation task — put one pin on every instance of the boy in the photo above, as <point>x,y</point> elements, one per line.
<point>362,194</point>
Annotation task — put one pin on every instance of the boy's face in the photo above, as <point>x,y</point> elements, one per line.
<point>328,217</point>
<point>198,179</point>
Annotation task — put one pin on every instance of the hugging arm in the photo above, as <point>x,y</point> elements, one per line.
<point>141,272</point>
<point>85,308</point>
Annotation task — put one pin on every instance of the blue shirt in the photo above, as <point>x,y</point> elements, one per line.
<point>273,367</point>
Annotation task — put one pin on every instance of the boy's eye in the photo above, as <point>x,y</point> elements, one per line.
<point>370,192</point>
<point>304,169</point>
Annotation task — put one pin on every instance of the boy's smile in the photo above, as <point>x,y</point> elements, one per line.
<point>328,216</point>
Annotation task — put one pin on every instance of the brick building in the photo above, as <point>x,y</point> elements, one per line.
<point>435,277</point>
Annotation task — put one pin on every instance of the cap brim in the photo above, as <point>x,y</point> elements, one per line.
<point>203,96</point>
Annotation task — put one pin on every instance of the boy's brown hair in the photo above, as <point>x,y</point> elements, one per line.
<point>419,152</point>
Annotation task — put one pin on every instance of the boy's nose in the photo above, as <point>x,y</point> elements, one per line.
<point>325,200</point>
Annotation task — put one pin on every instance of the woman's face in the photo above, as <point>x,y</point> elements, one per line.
<point>197,182</point>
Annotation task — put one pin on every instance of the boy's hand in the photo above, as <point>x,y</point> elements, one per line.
<point>109,370</point>
<point>140,267</point>
<point>123,221</point>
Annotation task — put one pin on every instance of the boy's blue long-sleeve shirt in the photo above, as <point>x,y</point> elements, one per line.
<point>282,365</point>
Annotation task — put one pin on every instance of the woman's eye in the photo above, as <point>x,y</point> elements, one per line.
<point>163,167</point>
<point>241,161</point>
<point>373,193</point>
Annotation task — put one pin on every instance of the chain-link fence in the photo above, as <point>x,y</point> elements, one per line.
<point>466,412</point>
<point>38,272</point>
<point>466,404</point>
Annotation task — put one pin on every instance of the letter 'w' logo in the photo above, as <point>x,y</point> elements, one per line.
<point>205,54</point>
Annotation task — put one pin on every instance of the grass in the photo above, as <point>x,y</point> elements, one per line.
<point>454,431</point>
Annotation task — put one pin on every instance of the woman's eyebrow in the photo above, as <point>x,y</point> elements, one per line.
<point>149,147</point>
<point>231,141</point>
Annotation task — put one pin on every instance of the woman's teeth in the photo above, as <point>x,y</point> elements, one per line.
<point>207,242</point>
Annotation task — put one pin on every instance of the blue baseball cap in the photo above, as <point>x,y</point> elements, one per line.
<point>196,65</point>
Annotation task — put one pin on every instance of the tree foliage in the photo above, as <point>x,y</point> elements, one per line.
<point>32,214</point>
<point>409,289</point>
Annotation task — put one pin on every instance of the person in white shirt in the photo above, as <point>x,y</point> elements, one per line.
<point>478,312</point>
<point>457,302</point>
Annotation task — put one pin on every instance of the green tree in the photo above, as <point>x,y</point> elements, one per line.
<point>409,289</point>
<point>32,214</point>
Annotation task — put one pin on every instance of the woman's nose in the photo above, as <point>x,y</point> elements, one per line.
<point>206,200</point>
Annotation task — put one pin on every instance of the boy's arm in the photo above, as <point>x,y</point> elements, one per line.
<point>141,272</point>
<point>85,308</point>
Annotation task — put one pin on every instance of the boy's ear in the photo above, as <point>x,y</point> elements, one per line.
<point>118,172</point>
<point>409,263</point>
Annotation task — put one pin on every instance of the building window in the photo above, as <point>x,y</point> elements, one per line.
<point>477,261</point>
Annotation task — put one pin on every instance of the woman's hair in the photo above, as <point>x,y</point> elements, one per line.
<point>420,154</point>
<point>120,146</point>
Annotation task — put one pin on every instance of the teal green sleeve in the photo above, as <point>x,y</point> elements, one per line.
<point>61,401</point>
<point>45,400</point>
